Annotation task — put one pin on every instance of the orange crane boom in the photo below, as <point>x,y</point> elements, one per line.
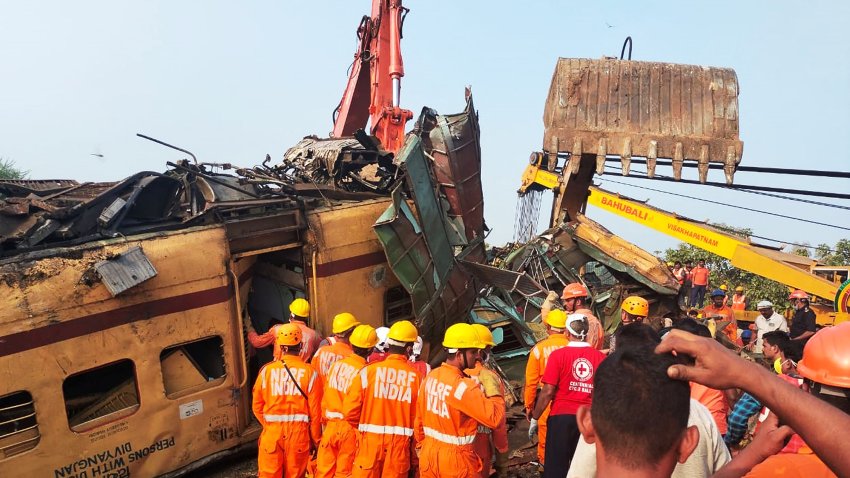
<point>373,90</point>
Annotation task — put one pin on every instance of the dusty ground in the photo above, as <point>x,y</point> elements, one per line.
<point>522,454</point>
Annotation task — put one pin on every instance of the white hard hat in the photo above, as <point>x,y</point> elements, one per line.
<point>417,346</point>
<point>765,304</point>
<point>382,332</point>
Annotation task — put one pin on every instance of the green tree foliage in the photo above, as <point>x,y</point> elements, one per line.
<point>9,171</point>
<point>756,287</point>
<point>835,256</point>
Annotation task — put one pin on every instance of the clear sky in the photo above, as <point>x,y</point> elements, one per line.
<point>232,81</point>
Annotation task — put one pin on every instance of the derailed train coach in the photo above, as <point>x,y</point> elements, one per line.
<point>123,336</point>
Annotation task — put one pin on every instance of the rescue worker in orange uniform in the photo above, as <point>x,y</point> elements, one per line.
<point>739,299</point>
<point>287,403</point>
<point>381,404</point>
<point>720,312</point>
<point>451,406</point>
<point>634,309</point>
<point>342,328</point>
<point>299,314</point>
<point>266,339</point>
<point>487,439</point>
<point>339,439</point>
<point>556,323</point>
<point>575,299</point>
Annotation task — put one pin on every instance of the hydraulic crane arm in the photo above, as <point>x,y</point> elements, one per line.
<point>374,85</point>
<point>788,269</point>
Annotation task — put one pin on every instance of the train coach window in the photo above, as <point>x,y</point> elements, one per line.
<point>192,366</point>
<point>101,395</point>
<point>18,426</point>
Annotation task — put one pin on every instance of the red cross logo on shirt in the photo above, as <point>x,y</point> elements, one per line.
<point>582,369</point>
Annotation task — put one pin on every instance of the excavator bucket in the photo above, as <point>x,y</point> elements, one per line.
<point>622,108</point>
<point>654,110</point>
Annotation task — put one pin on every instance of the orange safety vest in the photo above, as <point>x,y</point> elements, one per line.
<point>328,355</point>
<point>723,313</point>
<point>739,302</point>
<point>537,359</point>
<point>382,399</point>
<point>277,401</point>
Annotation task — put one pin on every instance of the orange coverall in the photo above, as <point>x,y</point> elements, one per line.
<point>290,422</point>
<point>537,359</point>
<point>328,355</point>
<point>339,440</point>
<point>447,417</point>
<point>310,339</point>
<point>595,333</point>
<point>486,439</point>
<point>381,404</point>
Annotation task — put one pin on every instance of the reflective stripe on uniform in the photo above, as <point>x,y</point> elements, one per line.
<point>450,439</point>
<point>460,390</point>
<point>385,430</point>
<point>297,417</point>
<point>333,415</point>
<point>483,429</point>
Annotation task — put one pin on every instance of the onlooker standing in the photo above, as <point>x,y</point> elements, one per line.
<point>639,416</point>
<point>568,384</point>
<point>681,275</point>
<point>804,322</point>
<point>688,284</point>
<point>699,282</point>
<point>767,321</point>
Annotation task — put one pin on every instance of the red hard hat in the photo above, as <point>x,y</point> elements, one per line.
<point>574,290</point>
<point>799,294</point>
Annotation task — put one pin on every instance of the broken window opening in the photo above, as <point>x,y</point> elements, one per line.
<point>397,305</point>
<point>18,425</point>
<point>598,277</point>
<point>101,395</point>
<point>193,366</point>
<point>511,341</point>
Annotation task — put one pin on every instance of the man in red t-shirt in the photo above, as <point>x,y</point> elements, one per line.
<point>568,384</point>
<point>699,282</point>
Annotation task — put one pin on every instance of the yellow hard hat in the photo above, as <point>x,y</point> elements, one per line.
<point>288,334</point>
<point>739,289</point>
<point>402,332</point>
<point>556,318</point>
<point>462,336</point>
<point>344,322</point>
<point>300,307</point>
<point>484,334</point>
<point>364,337</point>
<point>723,287</point>
<point>636,306</point>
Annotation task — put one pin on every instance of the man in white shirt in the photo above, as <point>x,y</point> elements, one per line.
<point>767,321</point>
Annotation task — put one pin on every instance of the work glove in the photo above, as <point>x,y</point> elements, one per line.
<point>532,429</point>
<point>490,382</point>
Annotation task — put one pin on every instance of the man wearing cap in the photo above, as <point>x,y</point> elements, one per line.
<point>556,323</point>
<point>343,325</point>
<point>339,439</point>
<point>568,384</point>
<point>287,403</point>
<point>452,406</point>
<point>381,404</point>
<point>767,321</point>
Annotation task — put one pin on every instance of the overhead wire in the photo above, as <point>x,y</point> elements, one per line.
<point>723,186</point>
